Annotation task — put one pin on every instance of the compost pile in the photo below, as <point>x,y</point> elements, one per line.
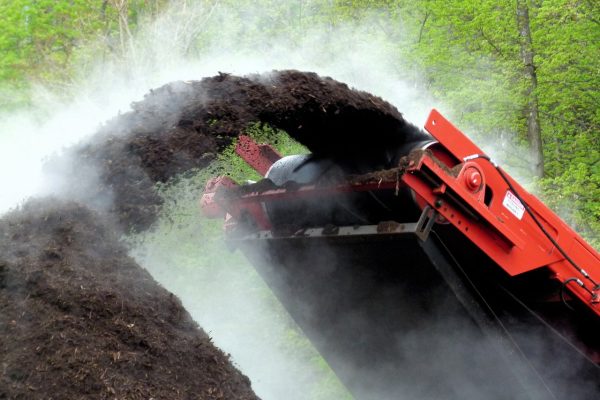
<point>78,317</point>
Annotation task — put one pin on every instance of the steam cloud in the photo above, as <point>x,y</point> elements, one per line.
<point>222,298</point>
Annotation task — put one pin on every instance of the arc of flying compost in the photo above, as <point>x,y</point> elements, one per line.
<point>183,125</point>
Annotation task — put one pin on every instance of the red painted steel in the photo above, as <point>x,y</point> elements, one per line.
<point>210,208</point>
<point>232,212</point>
<point>503,229</point>
<point>468,192</point>
<point>258,156</point>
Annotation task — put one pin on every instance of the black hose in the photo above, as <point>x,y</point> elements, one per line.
<point>562,291</point>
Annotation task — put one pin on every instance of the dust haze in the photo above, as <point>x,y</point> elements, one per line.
<point>185,253</point>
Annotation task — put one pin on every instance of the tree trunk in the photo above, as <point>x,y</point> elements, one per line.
<point>122,7</point>
<point>534,132</point>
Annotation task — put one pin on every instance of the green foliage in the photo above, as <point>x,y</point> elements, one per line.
<point>42,40</point>
<point>39,40</point>
<point>277,138</point>
<point>568,40</point>
<point>575,195</point>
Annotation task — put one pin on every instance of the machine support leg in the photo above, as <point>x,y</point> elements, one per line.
<point>425,223</point>
<point>497,337</point>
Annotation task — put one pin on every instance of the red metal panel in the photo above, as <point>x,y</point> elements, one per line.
<point>449,136</point>
<point>210,208</point>
<point>258,156</point>
<point>505,218</point>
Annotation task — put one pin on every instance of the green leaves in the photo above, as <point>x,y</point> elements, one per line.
<point>574,194</point>
<point>40,39</point>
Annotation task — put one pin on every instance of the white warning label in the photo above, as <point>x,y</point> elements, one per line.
<point>512,204</point>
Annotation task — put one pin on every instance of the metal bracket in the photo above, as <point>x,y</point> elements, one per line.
<point>425,223</point>
<point>258,156</point>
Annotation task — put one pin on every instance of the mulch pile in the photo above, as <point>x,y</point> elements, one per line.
<point>78,317</point>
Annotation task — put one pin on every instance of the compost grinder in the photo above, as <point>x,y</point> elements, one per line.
<point>419,240</point>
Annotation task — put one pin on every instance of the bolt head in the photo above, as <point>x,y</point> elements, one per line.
<point>473,179</point>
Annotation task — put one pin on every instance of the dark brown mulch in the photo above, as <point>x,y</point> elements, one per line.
<point>79,319</point>
<point>332,119</point>
<point>183,125</point>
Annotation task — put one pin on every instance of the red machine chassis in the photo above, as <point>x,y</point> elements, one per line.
<point>453,181</point>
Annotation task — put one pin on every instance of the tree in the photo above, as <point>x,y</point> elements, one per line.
<point>534,134</point>
<point>40,39</point>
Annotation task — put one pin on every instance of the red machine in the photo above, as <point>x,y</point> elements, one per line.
<point>364,256</point>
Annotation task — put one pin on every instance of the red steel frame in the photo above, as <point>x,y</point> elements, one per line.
<point>258,156</point>
<point>471,195</point>
<point>516,244</point>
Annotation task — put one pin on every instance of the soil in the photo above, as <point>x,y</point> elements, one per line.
<point>79,319</point>
<point>183,125</point>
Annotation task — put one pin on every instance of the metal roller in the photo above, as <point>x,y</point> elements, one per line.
<point>355,208</point>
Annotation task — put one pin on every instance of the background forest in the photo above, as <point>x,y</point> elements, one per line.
<point>521,72</point>
<point>519,76</point>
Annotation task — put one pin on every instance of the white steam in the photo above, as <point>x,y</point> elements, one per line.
<point>168,49</point>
